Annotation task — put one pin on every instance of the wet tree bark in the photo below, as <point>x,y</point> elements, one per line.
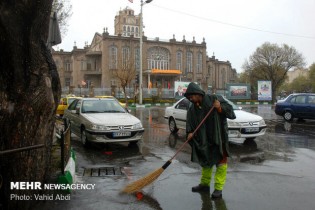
<point>29,92</point>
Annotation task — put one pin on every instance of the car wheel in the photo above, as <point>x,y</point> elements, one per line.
<point>172,126</point>
<point>288,116</point>
<point>84,138</point>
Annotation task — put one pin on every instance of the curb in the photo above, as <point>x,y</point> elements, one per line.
<point>69,176</point>
<point>170,104</point>
<point>254,103</point>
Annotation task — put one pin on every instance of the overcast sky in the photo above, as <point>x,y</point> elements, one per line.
<point>232,29</point>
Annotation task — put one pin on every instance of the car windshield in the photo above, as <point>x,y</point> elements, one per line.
<point>102,106</point>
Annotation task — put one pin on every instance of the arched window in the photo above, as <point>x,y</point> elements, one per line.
<point>179,58</point>
<point>189,62</point>
<point>199,62</point>
<point>125,57</point>
<point>132,30</point>
<point>124,31</point>
<point>137,32</point>
<point>112,57</point>
<point>158,58</point>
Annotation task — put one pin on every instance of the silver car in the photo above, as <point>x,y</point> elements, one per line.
<point>246,125</point>
<point>102,120</point>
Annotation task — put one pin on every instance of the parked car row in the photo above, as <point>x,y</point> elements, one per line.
<point>104,119</point>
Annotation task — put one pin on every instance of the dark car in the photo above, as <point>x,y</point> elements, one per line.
<point>297,105</point>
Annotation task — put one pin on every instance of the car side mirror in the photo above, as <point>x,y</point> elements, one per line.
<point>240,107</point>
<point>77,110</point>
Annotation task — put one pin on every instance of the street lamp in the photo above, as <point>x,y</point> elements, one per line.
<point>141,32</point>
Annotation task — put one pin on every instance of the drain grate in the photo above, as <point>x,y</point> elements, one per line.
<point>104,171</point>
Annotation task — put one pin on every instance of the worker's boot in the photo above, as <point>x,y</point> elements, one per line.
<point>200,188</point>
<point>204,181</point>
<point>216,194</point>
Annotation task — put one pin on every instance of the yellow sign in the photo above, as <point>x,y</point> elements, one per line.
<point>165,71</point>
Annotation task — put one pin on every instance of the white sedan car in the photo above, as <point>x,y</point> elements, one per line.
<point>246,125</point>
<point>102,120</point>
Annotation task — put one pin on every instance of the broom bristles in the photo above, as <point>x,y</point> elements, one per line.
<point>144,181</point>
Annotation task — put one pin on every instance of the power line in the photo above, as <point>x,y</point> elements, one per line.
<point>233,25</point>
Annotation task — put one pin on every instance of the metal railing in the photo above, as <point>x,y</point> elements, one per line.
<point>65,145</point>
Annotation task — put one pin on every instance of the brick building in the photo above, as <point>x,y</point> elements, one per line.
<point>163,61</point>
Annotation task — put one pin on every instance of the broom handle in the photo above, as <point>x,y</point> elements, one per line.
<point>203,120</point>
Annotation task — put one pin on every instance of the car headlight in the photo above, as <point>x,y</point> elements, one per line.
<point>100,127</point>
<point>262,123</point>
<point>233,124</point>
<point>137,126</point>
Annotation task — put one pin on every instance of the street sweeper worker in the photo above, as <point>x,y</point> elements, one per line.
<point>210,143</point>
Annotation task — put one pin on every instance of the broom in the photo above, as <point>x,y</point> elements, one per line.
<point>149,178</point>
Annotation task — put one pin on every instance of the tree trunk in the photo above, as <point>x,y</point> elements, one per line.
<point>125,96</point>
<point>29,92</point>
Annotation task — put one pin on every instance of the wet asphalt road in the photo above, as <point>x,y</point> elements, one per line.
<point>275,171</point>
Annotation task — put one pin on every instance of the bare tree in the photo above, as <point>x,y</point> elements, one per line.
<point>29,94</point>
<point>271,62</point>
<point>64,12</point>
<point>125,72</point>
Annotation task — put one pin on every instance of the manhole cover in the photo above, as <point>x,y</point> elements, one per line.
<point>104,171</point>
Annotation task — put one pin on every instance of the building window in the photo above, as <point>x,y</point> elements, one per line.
<point>67,66</point>
<point>113,82</point>
<point>67,82</point>
<point>137,32</point>
<point>189,61</point>
<point>179,58</point>
<point>158,58</point>
<point>132,31</point>
<point>124,31</point>
<point>83,65</point>
<point>199,63</point>
<point>113,57</point>
<point>125,57</point>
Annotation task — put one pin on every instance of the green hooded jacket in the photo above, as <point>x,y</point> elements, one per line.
<point>211,140</point>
